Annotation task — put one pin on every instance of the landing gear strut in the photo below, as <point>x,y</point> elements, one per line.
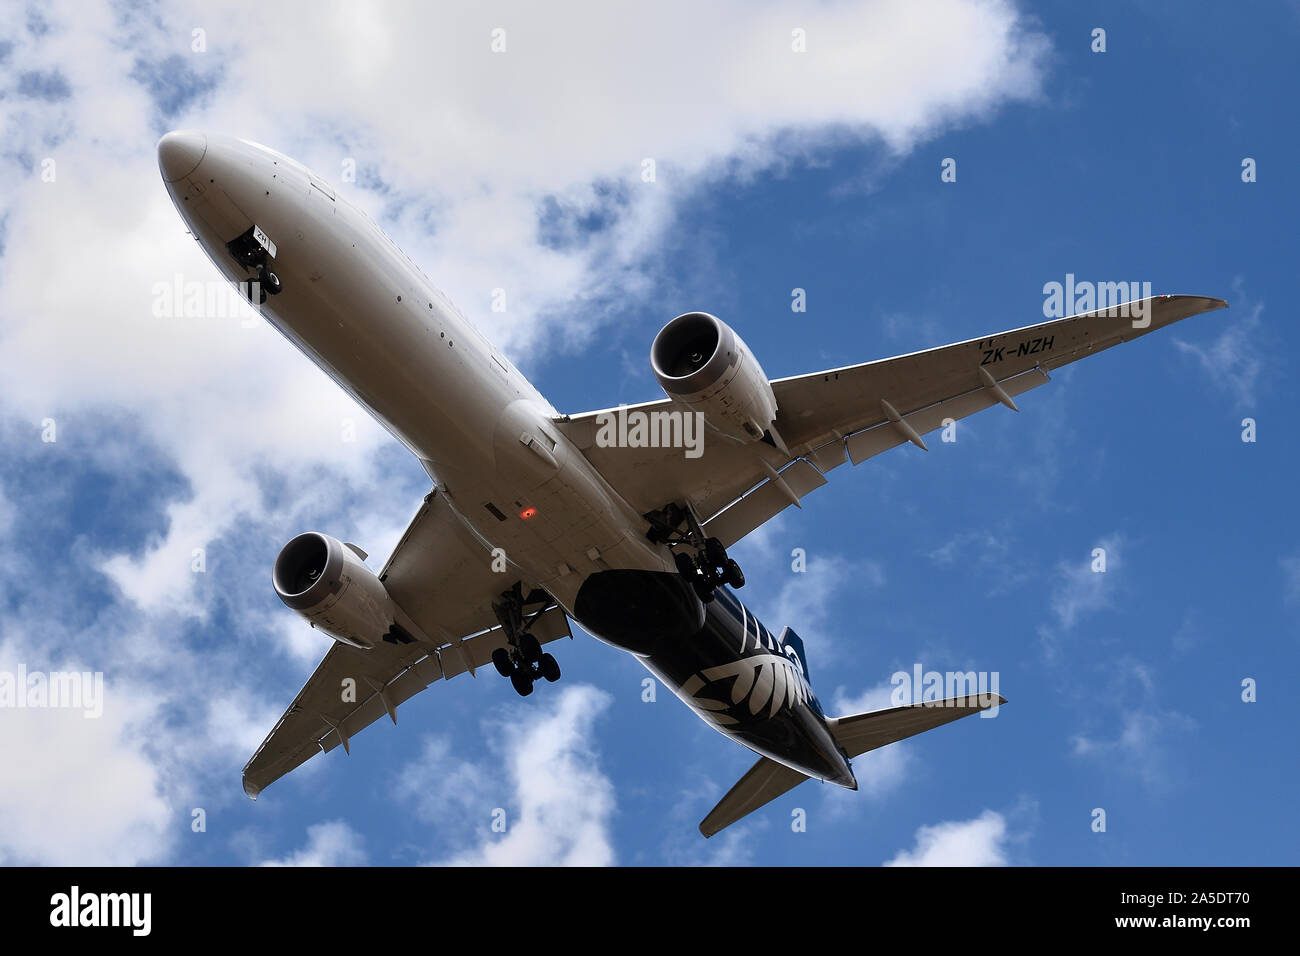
<point>523,660</point>
<point>702,561</point>
<point>249,252</point>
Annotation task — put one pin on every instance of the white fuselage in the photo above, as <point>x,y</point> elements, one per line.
<point>363,312</point>
<point>360,309</point>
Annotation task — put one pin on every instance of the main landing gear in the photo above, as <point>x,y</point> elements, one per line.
<point>702,561</point>
<point>523,660</point>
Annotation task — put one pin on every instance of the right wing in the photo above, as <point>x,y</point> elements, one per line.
<point>853,413</point>
<point>441,577</point>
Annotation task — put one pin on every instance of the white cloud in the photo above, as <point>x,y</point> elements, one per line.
<point>179,719</point>
<point>447,790</point>
<point>682,844</point>
<point>879,772</point>
<point>544,776</point>
<point>239,721</point>
<point>472,171</point>
<point>333,843</point>
<point>251,428</point>
<point>1081,589</point>
<point>1291,578</point>
<point>81,791</point>
<point>162,575</point>
<point>977,842</point>
<point>226,399</point>
<point>878,697</point>
<point>6,513</point>
<point>1142,744</point>
<point>989,547</point>
<point>996,556</point>
<point>734,846</point>
<point>1236,359</point>
<point>804,600</point>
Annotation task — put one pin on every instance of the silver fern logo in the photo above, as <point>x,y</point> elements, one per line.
<point>763,681</point>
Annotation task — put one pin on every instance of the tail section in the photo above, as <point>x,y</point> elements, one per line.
<point>856,734</point>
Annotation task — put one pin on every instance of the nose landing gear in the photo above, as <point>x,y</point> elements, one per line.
<point>268,283</point>
<point>249,252</point>
<point>523,660</point>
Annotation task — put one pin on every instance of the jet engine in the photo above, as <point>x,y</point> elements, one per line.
<point>703,364</point>
<point>326,582</point>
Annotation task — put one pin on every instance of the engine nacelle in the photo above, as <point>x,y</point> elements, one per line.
<point>703,364</point>
<point>327,583</point>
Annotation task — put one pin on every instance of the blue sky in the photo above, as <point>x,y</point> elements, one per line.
<point>773,173</point>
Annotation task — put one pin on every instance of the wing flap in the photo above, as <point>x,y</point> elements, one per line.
<point>764,502</point>
<point>375,702</point>
<point>866,444</point>
<point>339,694</point>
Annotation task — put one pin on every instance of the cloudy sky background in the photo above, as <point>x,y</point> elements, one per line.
<point>521,170</point>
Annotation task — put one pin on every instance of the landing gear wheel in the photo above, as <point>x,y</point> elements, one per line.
<point>685,566</point>
<point>522,661</point>
<point>522,682</point>
<point>550,668</point>
<point>703,591</point>
<point>715,553</point>
<point>268,283</point>
<point>530,649</point>
<point>732,574</point>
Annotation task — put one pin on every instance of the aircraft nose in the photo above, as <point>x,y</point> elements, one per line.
<point>180,152</point>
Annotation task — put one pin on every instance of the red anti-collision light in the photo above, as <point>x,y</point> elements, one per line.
<point>527,513</point>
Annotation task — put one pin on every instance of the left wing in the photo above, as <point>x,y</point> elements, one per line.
<point>441,578</point>
<point>856,412</point>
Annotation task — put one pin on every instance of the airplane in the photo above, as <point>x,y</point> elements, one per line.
<point>610,517</point>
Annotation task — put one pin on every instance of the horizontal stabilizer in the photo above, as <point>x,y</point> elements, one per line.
<point>764,782</point>
<point>856,735</point>
<point>863,732</point>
